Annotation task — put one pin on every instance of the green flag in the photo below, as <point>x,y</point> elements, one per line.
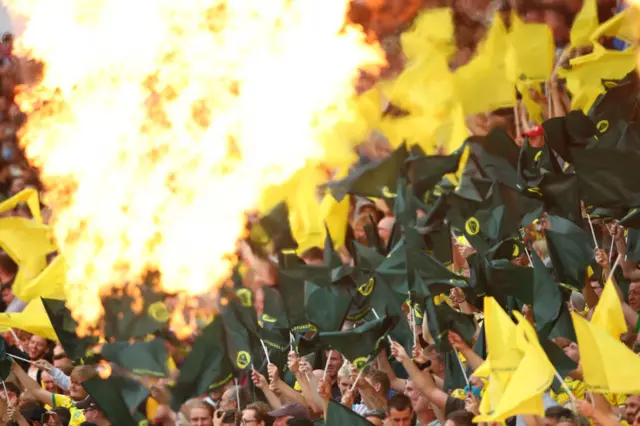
<point>547,296</point>
<point>359,345</point>
<point>607,177</point>
<point>291,279</point>
<point>561,196</point>
<point>496,155</point>
<point>443,318</point>
<point>562,134</point>
<point>274,228</point>
<point>275,326</point>
<point>117,397</point>
<point>206,367</point>
<point>534,163</point>
<point>326,305</point>
<point>494,219</point>
<point>633,244</point>
<point>65,327</point>
<point>571,251</point>
<point>243,344</point>
<point>453,375</point>
<point>427,171</point>
<point>631,219</point>
<point>122,322</point>
<point>5,361</point>
<point>141,358</point>
<point>377,179</point>
<point>339,415</point>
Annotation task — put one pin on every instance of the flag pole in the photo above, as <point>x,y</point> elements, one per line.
<point>378,317</point>
<point>464,372</point>
<point>613,268</point>
<point>6,394</point>
<point>355,382</point>
<point>326,367</point>
<point>412,318</point>
<point>528,256</point>
<point>21,359</point>
<point>235,379</point>
<point>566,388</point>
<point>292,340</point>
<point>266,351</point>
<point>593,232</point>
<point>13,333</point>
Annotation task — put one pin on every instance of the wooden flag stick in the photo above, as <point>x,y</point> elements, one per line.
<point>21,359</point>
<point>378,317</point>
<point>464,372</point>
<point>326,367</point>
<point>266,351</point>
<point>593,232</point>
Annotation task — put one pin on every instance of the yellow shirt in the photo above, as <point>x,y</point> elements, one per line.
<point>579,389</point>
<point>77,416</point>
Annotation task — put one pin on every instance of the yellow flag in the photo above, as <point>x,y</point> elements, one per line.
<point>622,25</point>
<point>608,313</point>
<point>23,239</point>
<point>48,284</point>
<point>585,24</point>
<point>483,84</point>
<point>531,53</point>
<point>29,196</point>
<point>305,217</point>
<point>432,29</point>
<point>584,79</point>
<point>607,364</point>
<point>33,319</point>
<point>503,356</point>
<point>336,217</point>
<point>523,394</point>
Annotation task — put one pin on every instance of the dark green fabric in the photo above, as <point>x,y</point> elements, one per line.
<point>358,344</point>
<point>206,367</point>
<point>443,318</point>
<point>547,296</point>
<point>377,179</point>
<point>426,172</point>
<point>339,415</point>
<point>121,322</point>
<point>608,178</point>
<point>117,397</point>
<point>631,219</point>
<point>274,228</point>
<point>633,244</point>
<point>65,327</point>
<point>571,251</point>
<point>141,358</point>
<point>5,361</point>
<point>562,134</point>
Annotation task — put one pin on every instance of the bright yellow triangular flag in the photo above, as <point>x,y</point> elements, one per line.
<point>607,364</point>
<point>29,196</point>
<point>584,79</point>
<point>24,239</point>
<point>432,29</point>
<point>307,226</point>
<point>531,53</point>
<point>336,214</point>
<point>33,319</point>
<point>48,284</point>
<point>534,375</point>
<point>585,24</point>
<point>622,26</point>
<point>608,313</point>
<point>483,84</point>
<point>503,356</point>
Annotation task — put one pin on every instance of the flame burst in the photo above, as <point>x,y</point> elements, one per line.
<point>158,124</point>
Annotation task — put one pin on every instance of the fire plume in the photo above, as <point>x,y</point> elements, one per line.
<point>158,124</point>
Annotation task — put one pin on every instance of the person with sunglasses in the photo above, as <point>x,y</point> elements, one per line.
<point>256,415</point>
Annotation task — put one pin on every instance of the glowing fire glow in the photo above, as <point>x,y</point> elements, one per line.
<point>159,123</point>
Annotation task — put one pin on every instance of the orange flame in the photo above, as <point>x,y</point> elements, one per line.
<point>158,124</point>
<point>104,370</point>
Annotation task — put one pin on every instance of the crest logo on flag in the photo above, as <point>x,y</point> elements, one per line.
<point>243,359</point>
<point>472,227</point>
